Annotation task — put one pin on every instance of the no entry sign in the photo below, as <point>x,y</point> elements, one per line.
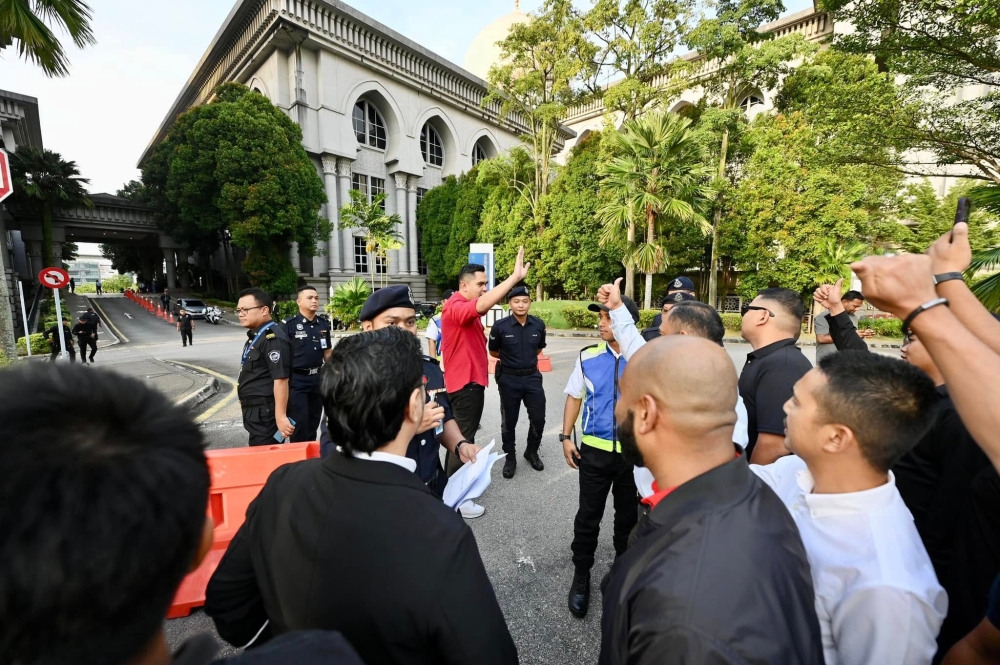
<point>53,278</point>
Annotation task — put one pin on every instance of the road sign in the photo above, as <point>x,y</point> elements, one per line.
<point>53,278</point>
<point>6,184</point>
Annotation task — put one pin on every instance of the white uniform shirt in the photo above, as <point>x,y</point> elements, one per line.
<point>877,597</point>
<point>630,340</point>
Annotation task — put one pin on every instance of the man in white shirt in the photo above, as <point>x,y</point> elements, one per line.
<point>848,421</point>
<point>684,318</point>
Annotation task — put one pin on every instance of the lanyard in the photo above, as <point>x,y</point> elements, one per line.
<point>249,348</point>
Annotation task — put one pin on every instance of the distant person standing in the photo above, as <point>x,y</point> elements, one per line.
<point>52,335</point>
<point>311,347</point>
<point>165,300</point>
<point>72,285</point>
<point>516,341</point>
<point>86,336</point>
<point>852,301</point>
<point>464,344</point>
<point>433,332</point>
<point>265,367</point>
<point>100,289</point>
<point>185,325</point>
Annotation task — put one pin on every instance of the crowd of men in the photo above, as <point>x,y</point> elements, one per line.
<point>838,514</point>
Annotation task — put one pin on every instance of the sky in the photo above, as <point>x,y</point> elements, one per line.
<point>105,112</point>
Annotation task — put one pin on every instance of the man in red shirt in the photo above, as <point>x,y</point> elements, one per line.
<point>464,344</point>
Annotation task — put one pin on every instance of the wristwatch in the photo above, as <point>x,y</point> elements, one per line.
<point>459,445</point>
<point>565,437</point>
<point>946,277</point>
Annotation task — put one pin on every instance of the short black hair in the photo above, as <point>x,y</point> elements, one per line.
<point>700,319</point>
<point>103,493</point>
<point>367,383</point>
<point>305,287</point>
<point>789,300</point>
<point>852,295</point>
<point>470,269</point>
<point>260,296</point>
<point>887,403</point>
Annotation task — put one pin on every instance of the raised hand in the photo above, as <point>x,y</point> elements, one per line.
<point>610,295</point>
<point>951,252</point>
<point>828,296</point>
<point>520,267</point>
<point>897,284</point>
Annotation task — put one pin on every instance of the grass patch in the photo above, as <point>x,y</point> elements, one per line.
<point>555,308</point>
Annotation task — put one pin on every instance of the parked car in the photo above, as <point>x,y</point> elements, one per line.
<point>195,308</point>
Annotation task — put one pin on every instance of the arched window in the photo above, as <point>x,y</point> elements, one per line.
<point>750,101</point>
<point>258,91</point>
<point>430,146</point>
<point>478,154</point>
<point>369,127</point>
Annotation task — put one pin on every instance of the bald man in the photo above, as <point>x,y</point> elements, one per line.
<point>717,572</point>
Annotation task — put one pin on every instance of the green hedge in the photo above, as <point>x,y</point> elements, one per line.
<point>39,346</point>
<point>85,288</point>
<point>731,321</point>
<point>883,327</point>
<point>646,317</point>
<point>4,360</point>
<point>578,317</point>
<point>285,309</point>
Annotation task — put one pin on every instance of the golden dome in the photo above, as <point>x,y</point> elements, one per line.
<point>483,53</point>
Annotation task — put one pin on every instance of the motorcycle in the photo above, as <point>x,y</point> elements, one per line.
<point>213,314</point>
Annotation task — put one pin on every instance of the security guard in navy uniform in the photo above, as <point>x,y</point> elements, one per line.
<point>266,366</point>
<point>311,346</point>
<point>671,299</point>
<point>517,340</point>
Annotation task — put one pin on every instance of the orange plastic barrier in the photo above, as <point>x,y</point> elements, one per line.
<point>544,363</point>
<point>238,474</point>
<point>493,365</point>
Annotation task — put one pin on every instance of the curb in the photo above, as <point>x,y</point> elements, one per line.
<point>207,391</point>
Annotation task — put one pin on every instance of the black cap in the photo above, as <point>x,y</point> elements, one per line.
<point>387,298</point>
<point>629,305</point>
<point>448,293</point>
<point>680,284</point>
<point>677,297</point>
<point>518,291</point>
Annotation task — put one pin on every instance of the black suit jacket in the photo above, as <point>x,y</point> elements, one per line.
<point>364,548</point>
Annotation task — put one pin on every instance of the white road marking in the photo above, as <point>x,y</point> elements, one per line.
<point>525,560</point>
<point>128,316</point>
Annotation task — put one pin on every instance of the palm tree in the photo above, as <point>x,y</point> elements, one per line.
<point>379,229</point>
<point>986,289</point>
<point>25,21</point>
<point>836,257</point>
<point>348,300</point>
<point>656,175</point>
<point>42,179</point>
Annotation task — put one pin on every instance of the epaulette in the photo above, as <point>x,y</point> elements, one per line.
<point>286,320</point>
<point>433,360</point>
<point>270,335</point>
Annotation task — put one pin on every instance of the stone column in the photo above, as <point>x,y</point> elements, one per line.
<point>411,218</point>
<point>168,257</point>
<point>405,266</point>
<point>346,235</point>
<point>34,258</point>
<point>332,212</point>
<point>293,254</point>
<point>57,248</point>
<point>183,270</point>
<point>393,255</point>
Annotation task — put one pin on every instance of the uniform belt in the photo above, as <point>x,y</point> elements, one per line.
<point>308,371</point>
<point>520,372</point>
<point>256,401</point>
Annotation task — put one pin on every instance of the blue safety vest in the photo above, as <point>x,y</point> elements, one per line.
<point>601,372</point>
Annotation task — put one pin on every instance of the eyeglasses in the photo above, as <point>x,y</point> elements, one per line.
<point>747,308</point>
<point>240,311</point>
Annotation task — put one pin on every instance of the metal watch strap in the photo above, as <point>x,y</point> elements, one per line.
<point>920,310</point>
<point>565,437</point>
<point>947,277</point>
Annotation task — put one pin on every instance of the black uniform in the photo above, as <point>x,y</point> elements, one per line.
<point>310,339</point>
<point>52,335</point>
<point>86,337</point>
<point>424,447</point>
<point>518,378</point>
<point>186,328</point>
<point>93,319</point>
<point>267,357</point>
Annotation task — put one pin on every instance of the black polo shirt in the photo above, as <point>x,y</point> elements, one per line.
<point>766,384</point>
<point>518,344</point>
<point>267,360</point>
<point>310,340</point>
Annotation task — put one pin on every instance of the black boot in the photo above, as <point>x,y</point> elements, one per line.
<point>534,460</point>
<point>509,466</point>
<point>579,594</point>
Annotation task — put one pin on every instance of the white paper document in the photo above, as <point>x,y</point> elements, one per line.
<point>472,479</point>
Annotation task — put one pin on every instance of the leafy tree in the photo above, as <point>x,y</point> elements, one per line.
<point>929,217</point>
<point>43,180</point>
<point>348,300</point>
<point>835,259</point>
<point>25,21</point>
<point>134,190</point>
<point>534,85</point>
<point>434,217</point>
<point>935,49</point>
<point>742,58</point>
<point>237,165</point>
<point>506,215</point>
<point>377,227</point>
<point>571,253</point>
<point>655,179</point>
<point>633,41</point>
<point>791,202</point>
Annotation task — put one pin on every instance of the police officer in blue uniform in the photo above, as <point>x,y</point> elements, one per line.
<point>265,367</point>
<point>517,340</point>
<point>394,306</point>
<point>669,301</point>
<point>311,345</point>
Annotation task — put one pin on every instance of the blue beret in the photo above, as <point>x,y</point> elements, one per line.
<point>518,291</point>
<point>680,284</point>
<point>387,298</point>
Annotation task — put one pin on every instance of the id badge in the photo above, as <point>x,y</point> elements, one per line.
<point>322,343</point>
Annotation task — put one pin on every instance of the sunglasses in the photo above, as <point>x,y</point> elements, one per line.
<point>747,308</point>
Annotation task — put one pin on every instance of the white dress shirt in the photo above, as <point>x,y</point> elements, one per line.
<point>630,340</point>
<point>877,597</point>
<point>379,456</point>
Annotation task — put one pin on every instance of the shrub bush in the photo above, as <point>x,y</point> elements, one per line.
<point>285,309</point>
<point>545,315</point>
<point>117,284</point>
<point>883,327</point>
<point>646,317</point>
<point>85,288</point>
<point>578,317</point>
<point>348,300</point>
<point>4,360</point>
<point>732,321</point>
<point>38,345</point>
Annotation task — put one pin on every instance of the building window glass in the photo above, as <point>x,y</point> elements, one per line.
<point>360,255</point>
<point>478,154</point>
<point>370,186</point>
<point>369,128</point>
<point>430,146</point>
<point>750,101</point>
<point>359,182</point>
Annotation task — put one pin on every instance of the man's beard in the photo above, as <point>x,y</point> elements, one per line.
<point>626,437</point>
